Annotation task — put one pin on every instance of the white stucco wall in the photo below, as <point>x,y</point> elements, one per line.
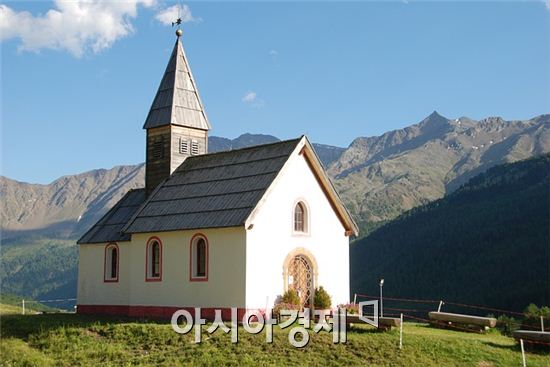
<point>226,275</point>
<point>271,238</point>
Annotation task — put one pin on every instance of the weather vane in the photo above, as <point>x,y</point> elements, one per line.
<point>178,22</point>
<point>179,32</point>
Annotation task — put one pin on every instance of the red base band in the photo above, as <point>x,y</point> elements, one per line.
<point>158,312</point>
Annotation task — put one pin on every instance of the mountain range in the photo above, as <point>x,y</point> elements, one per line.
<point>378,178</point>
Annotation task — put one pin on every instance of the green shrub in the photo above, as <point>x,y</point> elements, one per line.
<point>291,297</point>
<point>321,299</point>
<point>507,325</point>
<point>532,315</point>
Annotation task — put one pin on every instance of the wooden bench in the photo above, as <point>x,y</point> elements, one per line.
<point>384,323</point>
<point>467,322</point>
<point>536,336</point>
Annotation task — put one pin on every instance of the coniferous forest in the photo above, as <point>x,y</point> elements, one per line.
<point>487,243</point>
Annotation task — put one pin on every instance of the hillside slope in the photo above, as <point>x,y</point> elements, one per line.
<point>74,340</point>
<point>487,243</point>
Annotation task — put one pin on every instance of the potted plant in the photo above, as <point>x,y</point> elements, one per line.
<point>289,301</point>
<point>322,302</point>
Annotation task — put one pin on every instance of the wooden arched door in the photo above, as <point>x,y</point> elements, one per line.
<point>300,273</point>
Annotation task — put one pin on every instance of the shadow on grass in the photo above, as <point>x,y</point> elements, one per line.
<point>363,330</point>
<point>21,326</point>
<point>543,350</point>
<point>513,348</point>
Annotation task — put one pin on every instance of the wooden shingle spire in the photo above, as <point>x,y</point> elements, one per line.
<point>177,126</point>
<point>177,101</point>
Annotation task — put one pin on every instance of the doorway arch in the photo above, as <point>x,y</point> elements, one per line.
<point>301,273</point>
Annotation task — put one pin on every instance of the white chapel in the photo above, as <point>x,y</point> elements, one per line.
<point>214,230</point>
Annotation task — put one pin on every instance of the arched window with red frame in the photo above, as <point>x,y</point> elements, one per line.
<point>198,256</point>
<point>111,261</point>
<point>154,260</point>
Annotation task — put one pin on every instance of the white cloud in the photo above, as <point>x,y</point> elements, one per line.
<point>547,4</point>
<point>77,26</point>
<point>250,97</point>
<point>275,52</point>
<point>168,15</point>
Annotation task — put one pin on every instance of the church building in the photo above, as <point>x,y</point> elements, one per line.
<point>214,230</point>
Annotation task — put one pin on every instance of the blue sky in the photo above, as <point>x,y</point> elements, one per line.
<point>75,93</point>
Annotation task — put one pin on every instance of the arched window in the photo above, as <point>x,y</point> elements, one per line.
<point>199,258</point>
<point>111,263</point>
<point>154,260</point>
<point>300,218</point>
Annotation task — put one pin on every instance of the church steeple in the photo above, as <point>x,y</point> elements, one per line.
<point>177,125</point>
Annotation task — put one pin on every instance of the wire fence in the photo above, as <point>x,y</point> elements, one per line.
<point>463,305</point>
<point>63,305</point>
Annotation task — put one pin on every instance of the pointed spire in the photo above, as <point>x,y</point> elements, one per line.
<point>177,101</point>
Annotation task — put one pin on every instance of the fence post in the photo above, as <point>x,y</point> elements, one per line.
<point>401,333</point>
<point>522,353</point>
<point>542,324</point>
<point>355,299</point>
<point>23,305</point>
<point>440,304</point>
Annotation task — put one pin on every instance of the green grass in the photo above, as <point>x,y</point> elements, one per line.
<point>11,304</point>
<point>9,309</point>
<point>73,340</point>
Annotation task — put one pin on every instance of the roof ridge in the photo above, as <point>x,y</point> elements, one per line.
<point>246,148</point>
<point>231,164</point>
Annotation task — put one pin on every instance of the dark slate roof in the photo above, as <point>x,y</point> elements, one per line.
<point>212,190</point>
<point>108,228</point>
<point>177,100</point>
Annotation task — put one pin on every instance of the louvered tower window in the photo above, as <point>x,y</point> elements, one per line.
<point>194,147</point>
<point>184,146</point>
<point>158,151</point>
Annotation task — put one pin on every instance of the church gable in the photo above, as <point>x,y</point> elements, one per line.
<point>313,164</point>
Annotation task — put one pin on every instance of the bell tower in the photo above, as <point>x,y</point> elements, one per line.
<point>177,125</point>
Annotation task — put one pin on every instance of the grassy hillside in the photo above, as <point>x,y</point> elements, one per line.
<point>39,267</point>
<point>76,340</point>
<point>487,243</point>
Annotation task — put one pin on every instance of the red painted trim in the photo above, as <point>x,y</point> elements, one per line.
<point>105,280</point>
<point>149,241</point>
<point>191,277</point>
<point>159,312</point>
